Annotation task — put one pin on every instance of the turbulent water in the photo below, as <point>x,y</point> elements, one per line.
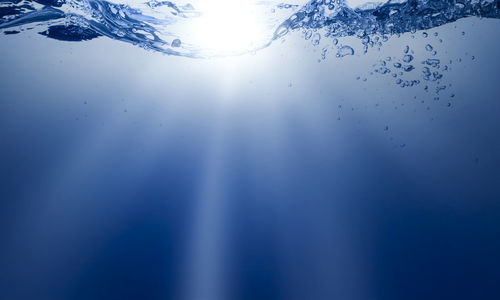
<point>201,28</point>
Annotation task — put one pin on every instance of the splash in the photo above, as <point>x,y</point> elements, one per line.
<point>201,28</point>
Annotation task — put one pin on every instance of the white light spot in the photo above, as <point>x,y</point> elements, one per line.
<point>228,26</point>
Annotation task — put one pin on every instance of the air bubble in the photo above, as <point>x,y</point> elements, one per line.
<point>345,51</point>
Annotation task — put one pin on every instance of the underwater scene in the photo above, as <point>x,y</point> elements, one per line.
<point>249,149</point>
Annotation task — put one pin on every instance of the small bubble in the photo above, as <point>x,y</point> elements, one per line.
<point>316,39</point>
<point>408,68</point>
<point>407,58</point>
<point>429,47</point>
<point>308,34</point>
<point>176,43</point>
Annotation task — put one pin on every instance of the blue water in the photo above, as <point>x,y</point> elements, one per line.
<point>341,152</point>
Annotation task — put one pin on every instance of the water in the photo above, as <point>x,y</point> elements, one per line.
<point>222,27</point>
<point>321,154</point>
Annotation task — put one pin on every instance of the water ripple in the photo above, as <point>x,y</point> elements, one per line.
<point>176,27</point>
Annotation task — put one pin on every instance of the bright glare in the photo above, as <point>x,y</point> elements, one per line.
<point>356,3</point>
<point>228,26</point>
